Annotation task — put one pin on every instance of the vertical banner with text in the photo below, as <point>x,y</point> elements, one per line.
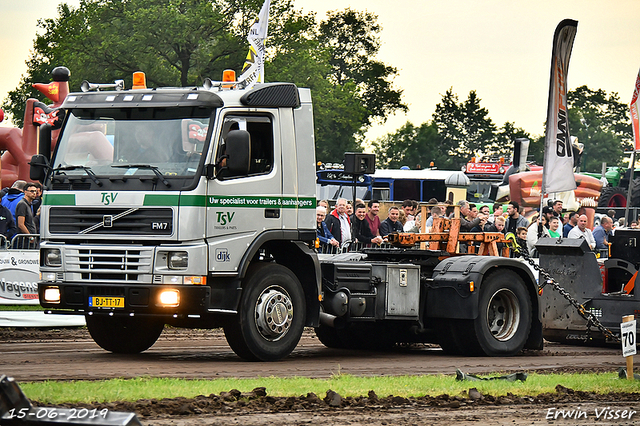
<point>557,175</point>
<point>253,69</point>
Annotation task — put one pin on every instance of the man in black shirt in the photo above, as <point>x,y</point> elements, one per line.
<point>360,230</point>
<point>391,224</point>
<point>24,214</point>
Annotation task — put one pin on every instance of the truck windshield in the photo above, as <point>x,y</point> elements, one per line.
<point>169,141</point>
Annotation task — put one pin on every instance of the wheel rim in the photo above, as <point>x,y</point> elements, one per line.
<point>274,313</point>
<point>503,315</point>
<point>618,200</point>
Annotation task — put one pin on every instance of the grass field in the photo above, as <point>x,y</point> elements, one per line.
<point>56,392</point>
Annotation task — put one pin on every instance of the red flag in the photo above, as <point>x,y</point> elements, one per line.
<point>635,123</point>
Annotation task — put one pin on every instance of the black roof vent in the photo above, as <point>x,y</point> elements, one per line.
<point>272,95</point>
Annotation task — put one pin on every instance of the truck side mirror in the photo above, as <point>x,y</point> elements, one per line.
<point>39,165</point>
<point>238,151</point>
<point>44,143</point>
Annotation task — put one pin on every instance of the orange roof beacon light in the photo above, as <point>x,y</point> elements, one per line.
<point>139,80</point>
<point>228,76</point>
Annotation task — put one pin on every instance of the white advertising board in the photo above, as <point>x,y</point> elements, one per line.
<point>19,276</point>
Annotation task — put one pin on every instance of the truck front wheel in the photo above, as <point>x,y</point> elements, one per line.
<point>271,314</point>
<point>123,335</point>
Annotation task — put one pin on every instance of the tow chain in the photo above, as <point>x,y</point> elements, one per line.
<point>591,319</point>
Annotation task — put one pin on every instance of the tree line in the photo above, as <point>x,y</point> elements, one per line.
<point>460,130</point>
<point>181,42</point>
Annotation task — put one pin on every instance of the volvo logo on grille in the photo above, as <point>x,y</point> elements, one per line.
<point>107,221</point>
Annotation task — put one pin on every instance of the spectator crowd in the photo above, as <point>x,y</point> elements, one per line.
<point>349,226</point>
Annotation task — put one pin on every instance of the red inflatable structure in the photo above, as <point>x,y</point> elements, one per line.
<point>18,145</point>
<point>525,188</point>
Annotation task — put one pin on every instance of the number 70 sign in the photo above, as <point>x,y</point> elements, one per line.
<point>628,337</point>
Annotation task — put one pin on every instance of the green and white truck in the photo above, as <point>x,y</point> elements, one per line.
<point>195,207</point>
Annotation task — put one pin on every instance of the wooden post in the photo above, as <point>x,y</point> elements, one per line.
<point>628,318</point>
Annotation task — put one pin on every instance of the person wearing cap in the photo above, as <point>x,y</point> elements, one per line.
<point>548,213</point>
<point>13,197</point>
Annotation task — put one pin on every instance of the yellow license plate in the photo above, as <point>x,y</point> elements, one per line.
<point>106,302</point>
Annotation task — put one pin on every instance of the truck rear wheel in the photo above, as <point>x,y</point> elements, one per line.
<point>505,314</point>
<point>123,335</point>
<point>271,315</point>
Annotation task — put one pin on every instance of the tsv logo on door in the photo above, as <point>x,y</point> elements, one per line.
<point>222,255</point>
<point>224,219</point>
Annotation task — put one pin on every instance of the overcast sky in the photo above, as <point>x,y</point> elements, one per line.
<point>500,48</point>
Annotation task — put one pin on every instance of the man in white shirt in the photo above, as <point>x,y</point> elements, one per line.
<point>581,231</point>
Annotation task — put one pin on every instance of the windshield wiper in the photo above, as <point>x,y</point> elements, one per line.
<point>86,169</point>
<point>154,169</point>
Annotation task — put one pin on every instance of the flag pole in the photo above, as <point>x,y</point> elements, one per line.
<point>635,125</point>
<point>632,167</point>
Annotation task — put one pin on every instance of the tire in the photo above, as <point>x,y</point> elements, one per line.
<point>613,197</point>
<point>504,318</point>
<point>451,335</point>
<point>329,337</point>
<point>123,335</point>
<point>271,315</point>
<point>635,193</point>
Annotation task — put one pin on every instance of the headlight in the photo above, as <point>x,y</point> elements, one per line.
<point>178,260</point>
<point>52,257</point>
<point>52,295</point>
<point>170,298</point>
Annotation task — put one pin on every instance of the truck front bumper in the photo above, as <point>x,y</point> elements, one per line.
<point>147,299</point>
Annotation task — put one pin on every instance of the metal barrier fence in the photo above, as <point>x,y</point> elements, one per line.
<point>20,242</point>
<point>350,247</point>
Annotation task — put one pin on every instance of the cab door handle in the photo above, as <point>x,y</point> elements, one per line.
<point>272,213</point>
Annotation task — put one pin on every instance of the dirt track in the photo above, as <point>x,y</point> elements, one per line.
<point>70,354</point>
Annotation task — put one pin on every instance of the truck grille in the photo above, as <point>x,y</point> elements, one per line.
<point>109,264</point>
<point>111,221</point>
